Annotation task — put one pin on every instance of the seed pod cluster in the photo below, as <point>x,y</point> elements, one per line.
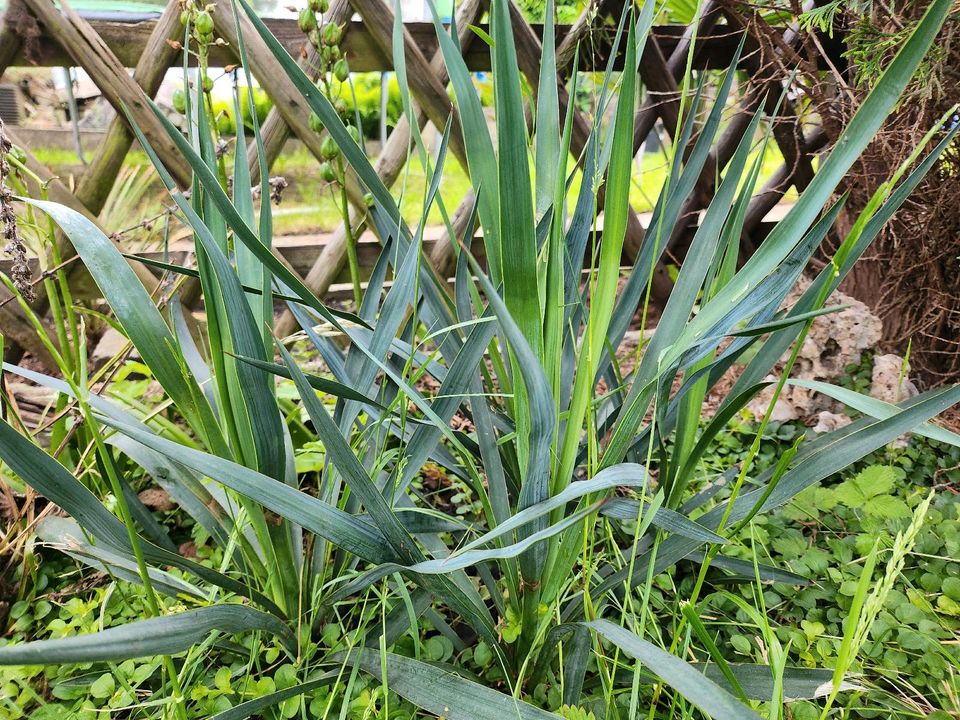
<point>200,20</point>
<point>325,37</point>
<point>334,70</point>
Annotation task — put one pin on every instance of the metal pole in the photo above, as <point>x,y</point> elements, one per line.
<point>74,114</point>
<point>384,97</point>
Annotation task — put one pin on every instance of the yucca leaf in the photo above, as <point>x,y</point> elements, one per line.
<point>279,270</point>
<point>469,558</point>
<point>246,398</point>
<point>693,282</point>
<point>734,403</point>
<point>387,522</point>
<point>758,306</point>
<point>780,244</point>
<point>757,681</point>
<point>782,322</point>
<point>193,273</point>
<point>65,535</point>
<point>315,515</point>
<point>53,481</point>
<point>266,213</point>
<point>604,292</point>
<point>186,491</point>
<point>665,214</point>
<point>322,384</point>
<point>481,157</point>
<point>166,635</point>
<point>626,475</point>
<point>191,353</point>
<point>250,270</point>
<point>663,518</point>
<point>677,312</point>
<point>875,408</point>
<point>547,136</point>
<point>386,216</point>
<point>453,390</point>
<point>340,455</point>
<point>363,361</point>
<point>748,571</point>
<point>540,411</point>
<point>832,276</point>
<point>250,409</point>
<point>576,655</point>
<point>252,399</point>
<point>402,349</point>
<point>252,707</point>
<point>518,244</point>
<point>442,693</point>
<point>138,316</point>
<point>681,676</point>
<point>799,683</point>
<point>183,486</point>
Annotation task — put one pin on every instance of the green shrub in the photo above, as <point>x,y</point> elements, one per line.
<point>223,109</point>
<point>366,90</point>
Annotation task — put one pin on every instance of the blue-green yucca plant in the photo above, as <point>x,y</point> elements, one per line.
<point>556,576</point>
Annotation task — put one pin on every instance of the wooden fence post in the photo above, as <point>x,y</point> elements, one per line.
<point>388,166</point>
<point>100,175</point>
<point>287,100</point>
<point>9,46</point>
<point>90,52</point>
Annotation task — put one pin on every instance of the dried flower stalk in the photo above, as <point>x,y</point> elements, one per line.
<point>14,246</point>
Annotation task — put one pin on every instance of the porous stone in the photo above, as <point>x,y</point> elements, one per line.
<point>889,381</point>
<point>835,341</point>
<point>829,421</point>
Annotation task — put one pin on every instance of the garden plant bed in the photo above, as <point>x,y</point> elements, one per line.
<point>508,418</point>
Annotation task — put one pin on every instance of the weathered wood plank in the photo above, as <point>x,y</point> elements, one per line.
<point>9,47</point>
<point>127,40</point>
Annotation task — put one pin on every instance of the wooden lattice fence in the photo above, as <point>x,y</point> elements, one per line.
<point>105,50</point>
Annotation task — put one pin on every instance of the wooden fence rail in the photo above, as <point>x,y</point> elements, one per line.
<point>127,40</point>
